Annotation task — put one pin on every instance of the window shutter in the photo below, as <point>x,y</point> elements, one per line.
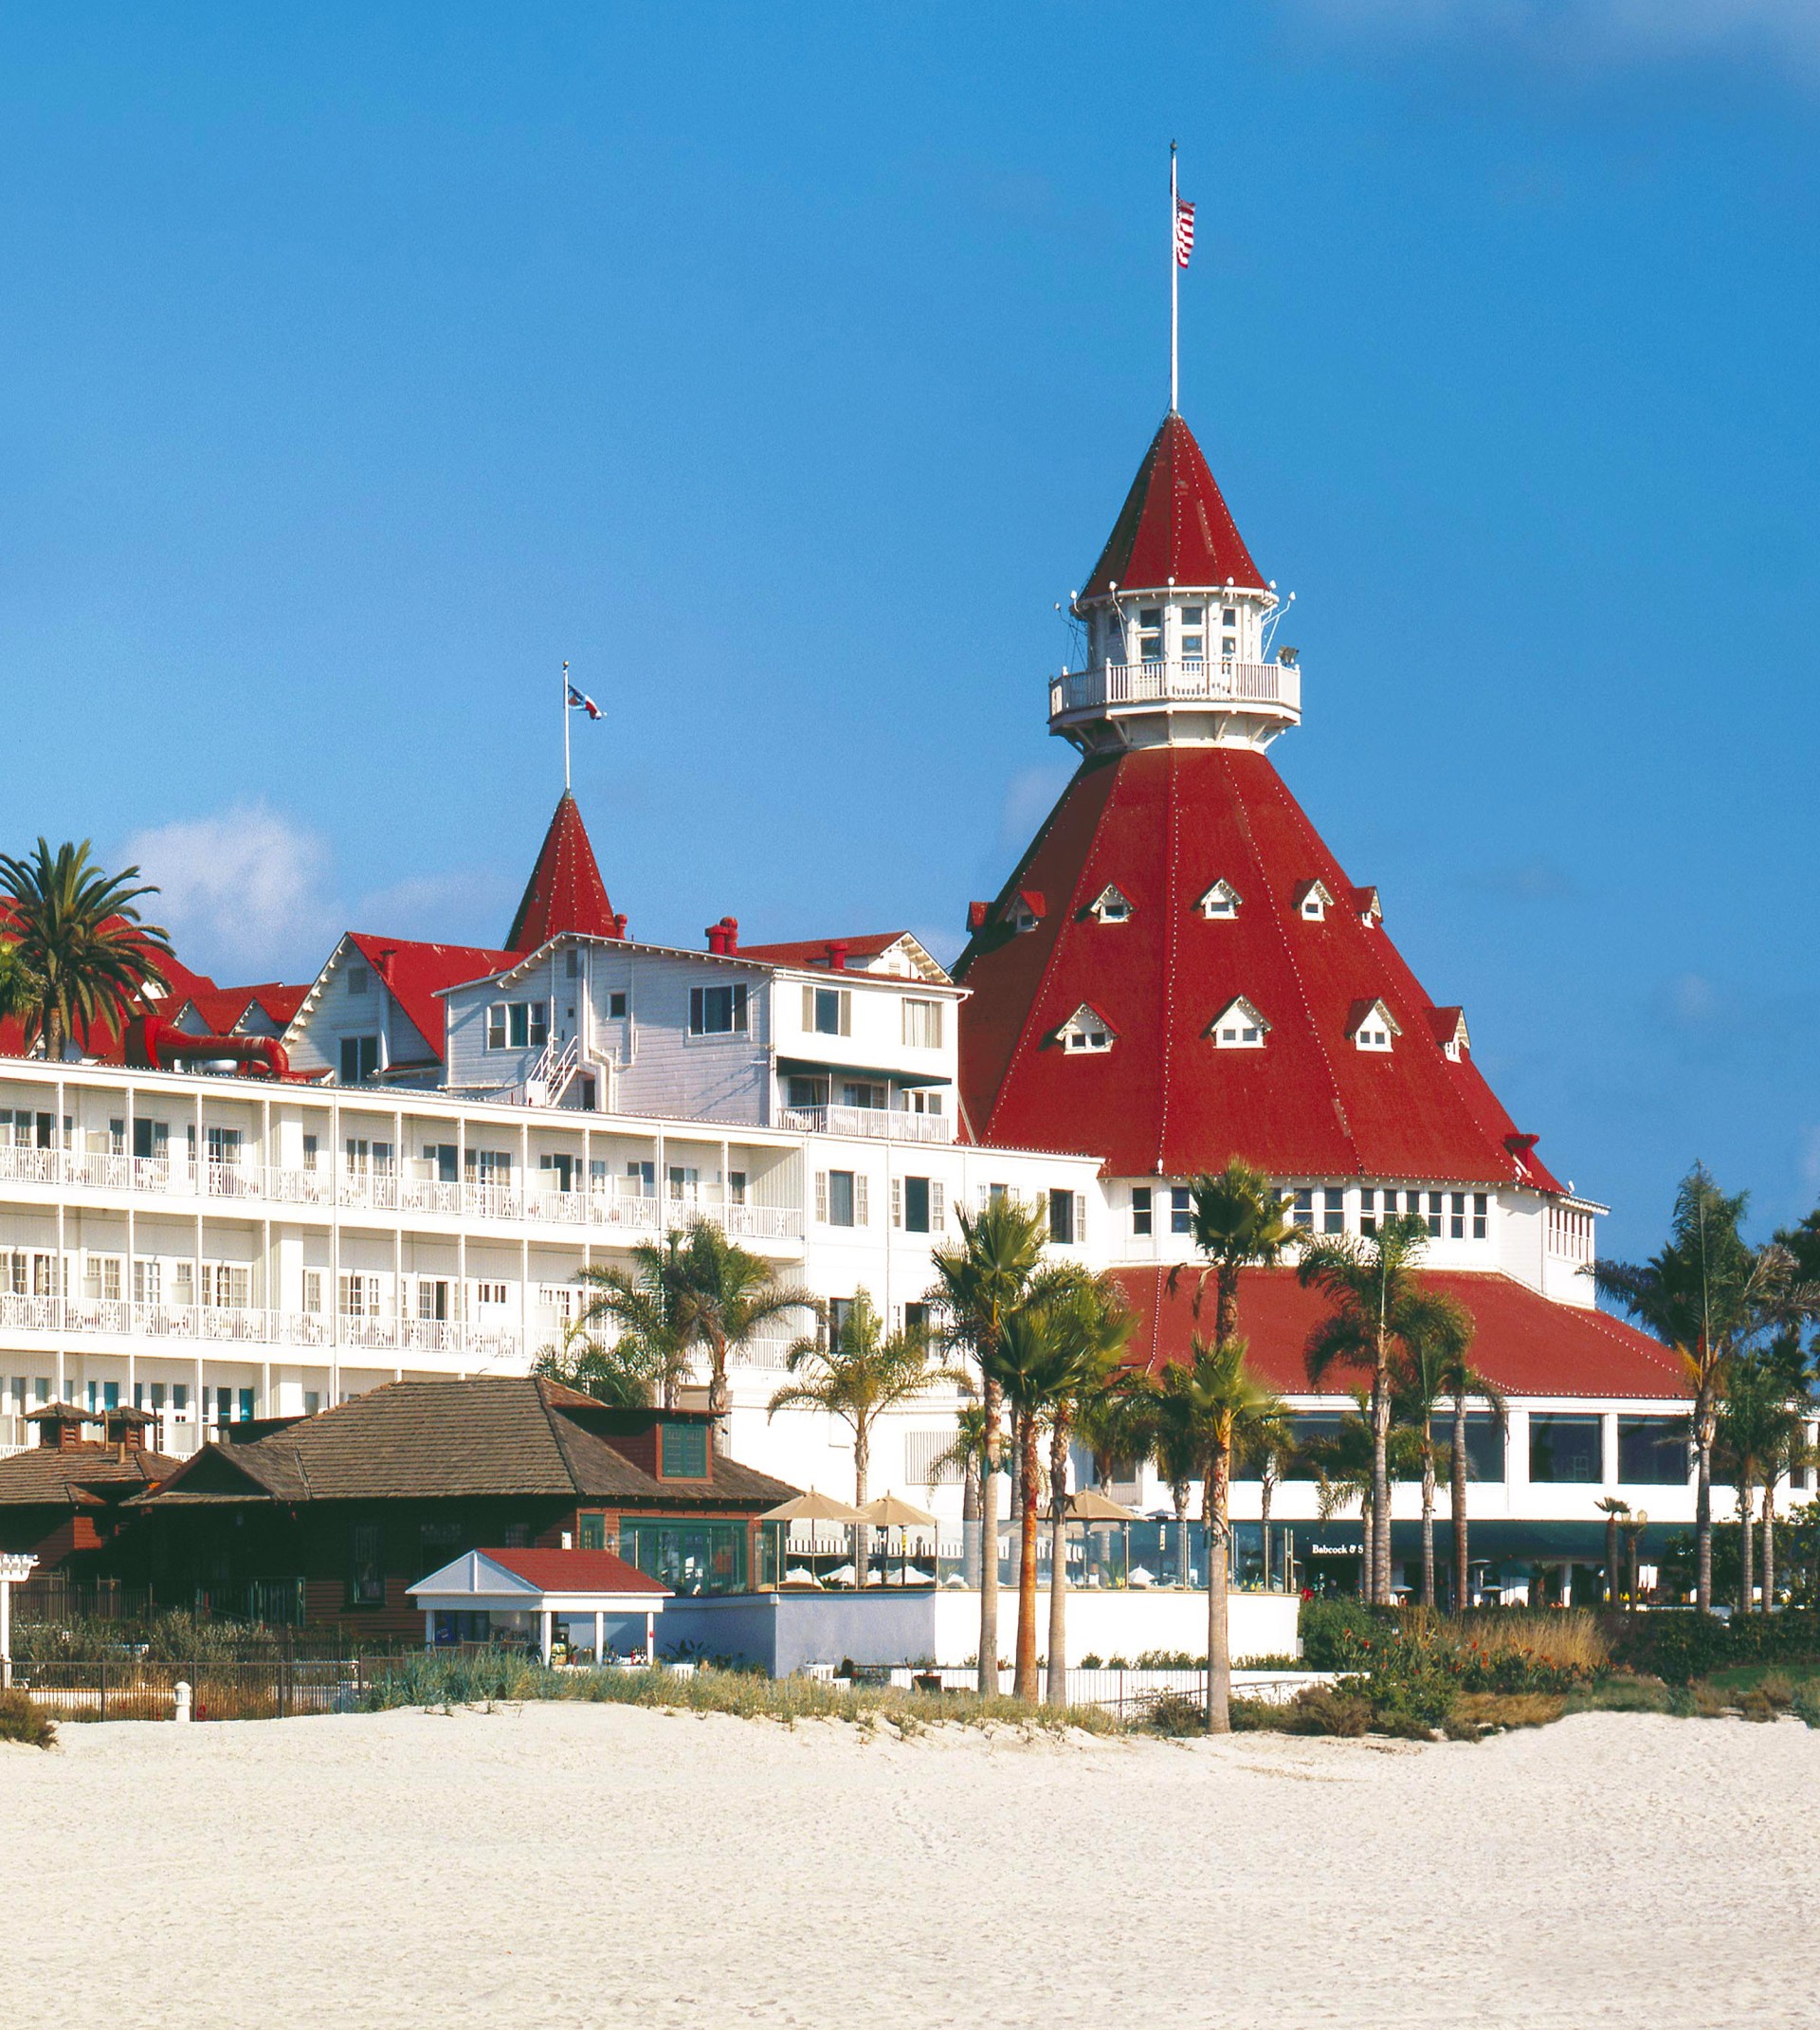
<point>981,1192</point>
<point>847,1012</point>
<point>821,1197</point>
<point>1079,1218</point>
<point>861,1214</point>
<point>809,1009</point>
<point>897,1201</point>
<point>937,1208</point>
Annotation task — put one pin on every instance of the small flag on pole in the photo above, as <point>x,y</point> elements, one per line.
<point>580,702</point>
<point>1184,231</point>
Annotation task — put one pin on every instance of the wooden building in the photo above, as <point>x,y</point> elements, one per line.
<point>330,1518</point>
<point>65,1498</point>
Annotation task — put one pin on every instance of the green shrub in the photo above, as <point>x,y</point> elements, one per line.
<point>22,1721</point>
<point>1326,1710</point>
<point>1679,1644</point>
<point>1806,1702</point>
<point>1175,1715</point>
<point>1329,1626</point>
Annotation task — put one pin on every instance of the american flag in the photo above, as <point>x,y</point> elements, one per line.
<point>580,702</point>
<point>1184,231</point>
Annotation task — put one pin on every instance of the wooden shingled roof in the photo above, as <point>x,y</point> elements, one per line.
<point>504,1435</point>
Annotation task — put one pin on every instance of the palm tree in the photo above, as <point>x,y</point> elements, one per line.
<point>1342,1467</point>
<point>1216,1396</point>
<point>727,1294</point>
<point>1710,1298</point>
<point>1172,1443</point>
<point>1269,1444</point>
<point>859,1374</point>
<point>20,987</point>
<point>1372,1281</point>
<point>1615,1512</point>
<point>977,1285</point>
<point>78,931</point>
<point>648,1308</point>
<point>1116,1428</point>
<point>1237,1221</point>
<point>1433,1339</point>
<point>618,1373</point>
<point>1758,1432</point>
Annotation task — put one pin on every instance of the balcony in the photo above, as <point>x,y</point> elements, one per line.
<point>888,1124</point>
<point>328,1188</point>
<point>1113,686</point>
<point>253,1325</point>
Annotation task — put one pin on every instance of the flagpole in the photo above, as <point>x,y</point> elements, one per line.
<point>1175,286</point>
<point>565,729</point>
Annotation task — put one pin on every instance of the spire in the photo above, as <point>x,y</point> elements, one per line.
<point>565,892</point>
<point>1175,526</point>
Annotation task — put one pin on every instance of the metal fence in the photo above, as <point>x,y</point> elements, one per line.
<point>138,1688</point>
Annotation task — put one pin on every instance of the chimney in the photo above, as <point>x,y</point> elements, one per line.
<point>976,913</point>
<point>836,955</point>
<point>729,925</point>
<point>617,925</point>
<point>716,935</point>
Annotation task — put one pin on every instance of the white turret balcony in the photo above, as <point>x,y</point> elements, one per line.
<point>1186,697</point>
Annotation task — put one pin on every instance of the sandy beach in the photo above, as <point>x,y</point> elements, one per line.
<point>582,1865</point>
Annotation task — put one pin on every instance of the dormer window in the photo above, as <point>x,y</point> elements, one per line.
<point>1372,1027</point>
<point>1237,1026</point>
<point>1111,905</point>
<point>1449,1025</point>
<point>1313,900</point>
<point>1371,912</point>
<point>1086,1032</point>
<point>1221,900</point>
<point>1024,911</point>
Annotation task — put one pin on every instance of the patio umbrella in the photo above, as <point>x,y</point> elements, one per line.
<point>1088,1504</point>
<point>809,1508</point>
<point>892,1511</point>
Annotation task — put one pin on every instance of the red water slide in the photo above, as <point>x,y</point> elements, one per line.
<point>156,1044</point>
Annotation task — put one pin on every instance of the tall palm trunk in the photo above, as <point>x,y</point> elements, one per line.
<point>1178,1495</point>
<point>1703,1421</point>
<point>1267,1486</point>
<point>1024,1683</point>
<point>1746,1544</point>
<point>1219,1649</point>
<point>1056,1691</point>
<point>1368,1549</point>
<point>1381,1473</point>
<point>862,1531</point>
<point>1769,1541</point>
<point>991,1401</point>
<point>1457,1503</point>
<point>1612,1577</point>
<point>1427,1525</point>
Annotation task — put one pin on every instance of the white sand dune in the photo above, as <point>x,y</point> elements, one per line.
<point>574,1865</point>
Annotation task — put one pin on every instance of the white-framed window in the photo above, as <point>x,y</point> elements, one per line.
<point>313,1291</point>
<point>226,1286</point>
<point>1194,633</point>
<point>148,1280</point>
<point>490,1296</point>
<point>1375,1027</point>
<point>1067,1217</point>
<point>1332,1210</point>
<point>357,1297</point>
<point>1140,1209</point>
<point>517,1025</point>
<point>1220,903</point>
<point>827,1011</point>
<point>1481,1215</point>
<point>921,1024</point>
<point>841,1197</point>
<point>1181,1209</point>
<point>1302,1209</point>
<point>619,1004</point>
<point>1150,633</point>
<point>1086,1031</point>
<point>1111,905</point>
<point>1313,900</point>
<point>1237,1026</point>
<point>102,1278</point>
<point>359,1060</point>
<point>717,1011</point>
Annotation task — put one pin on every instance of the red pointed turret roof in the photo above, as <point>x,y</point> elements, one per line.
<point>1166,824</point>
<point>565,892</point>
<point>1174,525</point>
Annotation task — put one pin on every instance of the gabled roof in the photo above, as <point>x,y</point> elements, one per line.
<point>1165,1105</point>
<point>863,946</point>
<point>413,974</point>
<point>1174,525</point>
<point>565,892</point>
<point>422,1440</point>
<point>1525,1343</point>
<point>48,1476</point>
<point>221,1009</point>
<point>566,1571</point>
<point>1363,1011</point>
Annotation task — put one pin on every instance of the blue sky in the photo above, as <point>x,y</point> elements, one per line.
<point>783,368</point>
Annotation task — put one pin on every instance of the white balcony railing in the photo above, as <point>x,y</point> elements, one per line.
<point>890,1124</point>
<point>611,1206</point>
<point>1189,680</point>
<point>254,1325</point>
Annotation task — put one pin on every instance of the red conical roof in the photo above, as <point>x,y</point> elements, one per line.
<point>1164,824</point>
<point>565,892</point>
<point>1174,525</point>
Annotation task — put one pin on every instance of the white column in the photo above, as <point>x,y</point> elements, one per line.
<point>650,1635</point>
<point>547,1628</point>
<point>600,1636</point>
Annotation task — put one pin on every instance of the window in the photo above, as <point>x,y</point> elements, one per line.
<point>1653,1452</point>
<point>1457,1217</point>
<point>1111,905</point>
<point>1332,1211</point>
<point>366,1565</point>
<point>441,1163</point>
<point>1485,1444</point>
<point>1301,1210</point>
<point>490,1295</point>
<point>594,1532</point>
<point>102,1278</point>
<point>1228,616</point>
<point>926,1460</point>
<point>1481,1206</point>
<point>1368,1210</point>
<point>916,1317</point>
<point>312,1402</point>
<point>841,1208</point>
<point>1373,1028</point>
<point>863,1093</point>
<point>357,1297</point>
<point>1193,640</point>
<point>915,1204</point>
<point>618,1003</point>
<point>433,1299</point>
<point>1086,1029</point>
<point>1433,1215</point>
<point>1067,1217</point>
<point>245,1404</point>
<point>359,1059</point>
<point>358,979</point>
<point>225,1286</point>
<point>1150,633</point>
<point>148,1281</point>
<point>690,1557</point>
<point>684,1451</point>
<point>312,1290</point>
<point>151,1140</point>
<point>1566,1449</point>
<point>517,1025</point>
<point>1221,900</point>
<point>839,1311</point>
<point>311,1150</point>
<point>1140,1209</point>
<point>827,1011</point>
<point>922,1025</point>
<point>1313,902</point>
<point>717,1011</point>
<point>1237,1027</point>
<point>1181,1210</point>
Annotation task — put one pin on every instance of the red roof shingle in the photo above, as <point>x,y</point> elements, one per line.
<point>1174,525</point>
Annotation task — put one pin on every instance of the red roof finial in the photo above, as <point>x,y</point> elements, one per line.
<point>1175,527</point>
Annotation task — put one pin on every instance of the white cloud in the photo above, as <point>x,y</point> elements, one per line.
<point>242,891</point>
<point>1586,34</point>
